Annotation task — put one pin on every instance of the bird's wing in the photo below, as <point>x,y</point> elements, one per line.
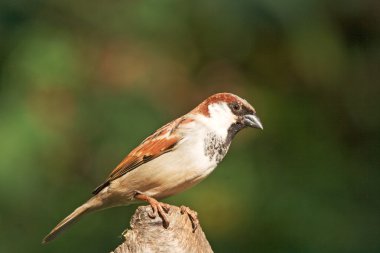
<point>160,142</point>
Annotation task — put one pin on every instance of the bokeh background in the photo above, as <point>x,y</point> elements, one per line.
<point>83,82</point>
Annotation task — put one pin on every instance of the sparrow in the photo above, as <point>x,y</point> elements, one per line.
<point>174,158</point>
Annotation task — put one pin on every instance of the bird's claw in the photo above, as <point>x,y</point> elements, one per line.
<point>160,209</point>
<point>193,216</point>
<point>154,212</point>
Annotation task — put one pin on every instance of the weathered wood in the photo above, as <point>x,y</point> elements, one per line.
<point>148,235</point>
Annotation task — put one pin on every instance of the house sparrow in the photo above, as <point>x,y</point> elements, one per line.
<point>174,158</point>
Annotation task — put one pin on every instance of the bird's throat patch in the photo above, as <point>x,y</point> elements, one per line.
<point>215,148</point>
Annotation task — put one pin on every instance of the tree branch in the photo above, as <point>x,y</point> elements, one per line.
<point>148,235</point>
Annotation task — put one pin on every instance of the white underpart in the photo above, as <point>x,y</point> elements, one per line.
<point>180,169</point>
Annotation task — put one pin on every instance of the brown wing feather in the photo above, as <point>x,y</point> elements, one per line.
<point>160,142</point>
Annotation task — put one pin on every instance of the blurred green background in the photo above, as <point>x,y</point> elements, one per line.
<point>83,82</point>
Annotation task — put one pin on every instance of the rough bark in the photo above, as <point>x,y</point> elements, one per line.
<point>148,235</point>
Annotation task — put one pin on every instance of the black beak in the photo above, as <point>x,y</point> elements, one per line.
<point>251,120</point>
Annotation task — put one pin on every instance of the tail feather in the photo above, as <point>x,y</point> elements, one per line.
<point>89,206</point>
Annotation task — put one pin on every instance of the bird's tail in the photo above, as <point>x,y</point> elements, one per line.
<point>91,205</point>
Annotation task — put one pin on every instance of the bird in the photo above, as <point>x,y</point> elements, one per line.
<point>174,158</point>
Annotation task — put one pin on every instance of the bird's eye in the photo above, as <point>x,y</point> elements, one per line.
<point>236,107</point>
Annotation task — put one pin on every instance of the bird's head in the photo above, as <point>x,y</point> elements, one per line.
<point>227,113</point>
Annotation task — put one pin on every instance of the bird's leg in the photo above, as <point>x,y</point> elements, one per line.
<point>193,216</point>
<point>158,208</point>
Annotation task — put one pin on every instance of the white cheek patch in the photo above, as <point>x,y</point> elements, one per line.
<point>221,118</point>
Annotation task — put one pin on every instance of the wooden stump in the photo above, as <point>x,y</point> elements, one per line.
<point>148,235</point>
